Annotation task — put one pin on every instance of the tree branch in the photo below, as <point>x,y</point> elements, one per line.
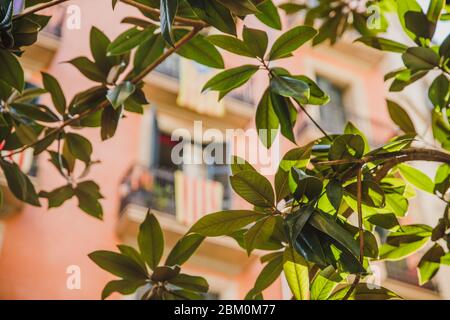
<point>105,103</point>
<point>312,120</point>
<point>38,8</point>
<point>361,230</point>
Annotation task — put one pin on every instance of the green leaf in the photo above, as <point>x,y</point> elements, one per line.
<point>269,274</point>
<point>129,40</point>
<point>184,249</point>
<point>306,185</point>
<point>88,193</point>
<point>58,98</point>
<point>324,283</point>
<point>99,43</point>
<point>430,263</point>
<point>384,220</point>
<point>383,44</point>
<point>442,179</point>
<point>19,183</point>
<point>434,10</point>
<point>404,6</point>
<point>215,14</point>
<point>120,93</point>
<point>405,242</point>
<point>268,14</point>
<point>89,69</point>
<point>335,192</point>
<point>298,157</point>
<point>230,44</point>
<point>239,164</point>
<point>290,87</point>
<point>168,9</point>
<point>364,291</point>
<point>254,188</point>
<point>11,71</point>
<point>326,224</point>
<point>350,128</point>
<point>230,79</point>
<point>290,41</point>
<point>256,41</point>
<point>439,92</point>
<point>200,50</point>
<point>296,271</point>
<point>444,48</point>
<point>118,264</point>
<point>240,7</point>
<point>267,122</point>
<point>125,287</point>
<point>419,58</point>
<point>58,196</point>
<point>133,254</point>
<point>416,177</point>
<point>224,222</point>
<point>286,113</point>
<point>151,241</point>
<point>165,273</point>
<point>259,233</point>
<point>400,117</point>
<point>149,51</point>
<point>189,282</point>
<point>110,121</point>
<point>79,147</point>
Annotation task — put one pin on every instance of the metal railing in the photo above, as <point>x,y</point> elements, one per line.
<point>150,189</point>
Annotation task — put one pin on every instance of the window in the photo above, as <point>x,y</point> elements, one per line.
<point>333,117</point>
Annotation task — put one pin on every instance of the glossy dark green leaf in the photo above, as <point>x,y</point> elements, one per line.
<point>335,192</point>
<point>324,283</point>
<point>383,44</point>
<point>168,10</point>
<point>297,275</point>
<point>19,183</point>
<point>267,122</point>
<point>364,291</point>
<point>52,86</point>
<point>439,92</point>
<point>230,44</point>
<point>79,146</point>
<point>269,274</point>
<point>165,273</point>
<point>184,249</point>
<point>125,287</point>
<point>286,113</point>
<point>290,41</point>
<point>400,117</point>
<point>430,263</point>
<point>419,58</point>
<point>225,222</point>
<point>58,196</point>
<point>118,264</point>
<point>11,71</point>
<point>120,93</point>
<point>259,233</point>
<point>290,87</point>
<point>268,14</point>
<point>239,7</point>
<point>89,69</point>
<point>189,282</point>
<point>254,188</point>
<point>200,50</point>
<point>88,194</point>
<point>129,40</point>
<point>230,79</point>
<point>151,241</point>
<point>239,164</point>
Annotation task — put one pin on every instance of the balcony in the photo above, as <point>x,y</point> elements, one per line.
<point>40,55</point>
<point>171,68</point>
<point>142,189</point>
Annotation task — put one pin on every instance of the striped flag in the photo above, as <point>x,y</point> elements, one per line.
<point>196,197</point>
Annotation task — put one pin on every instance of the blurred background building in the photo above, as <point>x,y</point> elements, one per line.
<point>38,247</point>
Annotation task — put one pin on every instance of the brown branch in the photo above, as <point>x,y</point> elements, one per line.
<point>105,103</point>
<point>312,119</point>
<point>410,154</point>
<point>361,230</point>
<point>38,8</point>
<point>156,12</point>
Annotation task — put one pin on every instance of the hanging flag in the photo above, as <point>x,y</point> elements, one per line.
<point>192,78</point>
<point>196,197</point>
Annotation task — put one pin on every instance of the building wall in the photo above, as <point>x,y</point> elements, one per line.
<point>39,244</point>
